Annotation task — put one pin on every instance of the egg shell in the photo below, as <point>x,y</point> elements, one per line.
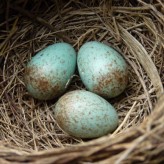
<point>102,69</point>
<point>84,114</point>
<point>48,72</point>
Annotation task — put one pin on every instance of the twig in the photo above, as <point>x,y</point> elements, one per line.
<point>42,22</point>
<point>125,119</point>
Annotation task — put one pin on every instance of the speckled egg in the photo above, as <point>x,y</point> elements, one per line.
<point>84,114</point>
<point>102,69</point>
<point>48,72</point>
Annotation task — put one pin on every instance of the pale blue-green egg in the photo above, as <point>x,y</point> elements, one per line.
<point>84,114</point>
<point>102,69</point>
<point>49,71</point>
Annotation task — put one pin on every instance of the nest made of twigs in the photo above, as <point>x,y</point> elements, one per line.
<point>28,130</point>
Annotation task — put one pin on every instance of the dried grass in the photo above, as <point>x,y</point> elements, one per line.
<point>27,126</point>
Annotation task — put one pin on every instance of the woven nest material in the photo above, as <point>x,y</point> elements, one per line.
<point>28,130</point>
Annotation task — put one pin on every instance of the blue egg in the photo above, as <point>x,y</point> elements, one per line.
<point>84,114</point>
<point>49,71</point>
<point>102,69</point>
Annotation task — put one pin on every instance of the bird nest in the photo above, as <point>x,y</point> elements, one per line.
<point>28,131</point>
